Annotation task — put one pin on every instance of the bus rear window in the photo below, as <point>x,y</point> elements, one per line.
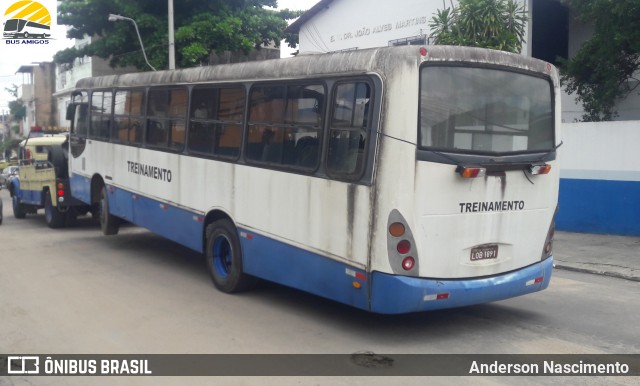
<point>484,111</point>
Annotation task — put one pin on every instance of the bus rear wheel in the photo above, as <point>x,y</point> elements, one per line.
<point>109,223</point>
<point>52,216</point>
<point>224,258</point>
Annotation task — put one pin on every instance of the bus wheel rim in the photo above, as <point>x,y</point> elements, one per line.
<point>222,256</point>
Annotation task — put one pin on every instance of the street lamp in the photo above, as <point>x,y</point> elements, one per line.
<point>113,17</point>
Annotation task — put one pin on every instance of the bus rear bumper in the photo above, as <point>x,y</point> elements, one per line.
<point>393,294</point>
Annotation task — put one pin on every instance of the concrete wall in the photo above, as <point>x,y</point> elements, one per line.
<point>600,178</point>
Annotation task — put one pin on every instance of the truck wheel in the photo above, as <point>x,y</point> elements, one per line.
<point>71,217</point>
<point>58,158</point>
<point>52,216</point>
<point>224,258</point>
<point>18,208</point>
<point>109,223</point>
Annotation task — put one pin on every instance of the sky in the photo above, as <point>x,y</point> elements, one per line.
<point>14,56</point>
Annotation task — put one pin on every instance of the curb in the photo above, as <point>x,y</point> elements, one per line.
<point>594,272</point>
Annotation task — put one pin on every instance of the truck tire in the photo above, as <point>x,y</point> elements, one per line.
<point>52,216</point>
<point>18,208</point>
<point>71,217</point>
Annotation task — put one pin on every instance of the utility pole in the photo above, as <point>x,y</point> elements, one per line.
<point>172,44</point>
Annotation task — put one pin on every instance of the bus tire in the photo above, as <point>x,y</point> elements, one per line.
<point>18,208</point>
<point>224,258</point>
<point>52,216</point>
<point>109,223</point>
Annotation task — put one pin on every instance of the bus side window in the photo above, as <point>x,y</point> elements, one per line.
<point>285,124</point>
<point>100,114</point>
<point>81,127</point>
<point>348,133</point>
<point>127,113</point>
<point>216,121</point>
<point>166,114</point>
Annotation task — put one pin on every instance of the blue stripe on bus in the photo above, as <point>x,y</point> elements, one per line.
<point>169,221</point>
<point>295,267</point>
<point>393,294</point>
<point>80,188</point>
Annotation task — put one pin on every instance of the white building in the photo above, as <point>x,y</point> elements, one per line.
<point>68,75</point>
<point>335,25</point>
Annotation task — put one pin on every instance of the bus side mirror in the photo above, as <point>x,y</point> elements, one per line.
<point>71,111</point>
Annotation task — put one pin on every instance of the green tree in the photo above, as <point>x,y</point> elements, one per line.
<point>17,109</point>
<point>496,24</point>
<point>602,72</point>
<point>201,26</point>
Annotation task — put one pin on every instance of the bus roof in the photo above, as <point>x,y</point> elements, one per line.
<point>356,61</point>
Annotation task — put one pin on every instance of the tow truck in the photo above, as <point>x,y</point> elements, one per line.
<point>43,182</point>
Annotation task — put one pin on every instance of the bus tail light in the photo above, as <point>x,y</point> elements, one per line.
<point>396,229</point>
<point>401,246</point>
<point>536,169</point>
<point>471,171</point>
<point>408,263</point>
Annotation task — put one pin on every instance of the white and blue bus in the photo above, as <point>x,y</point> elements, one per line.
<point>20,28</point>
<point>395,179</point>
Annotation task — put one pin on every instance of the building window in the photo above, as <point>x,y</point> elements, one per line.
<point>419,40</point>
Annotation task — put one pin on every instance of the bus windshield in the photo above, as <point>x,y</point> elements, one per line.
<point>14,25</point>
<point>484,111</point>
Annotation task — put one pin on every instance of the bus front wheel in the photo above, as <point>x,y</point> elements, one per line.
<point>224,258</point>
<point>109,223</point>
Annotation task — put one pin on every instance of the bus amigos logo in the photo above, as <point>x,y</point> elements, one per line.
<point>27,22</point>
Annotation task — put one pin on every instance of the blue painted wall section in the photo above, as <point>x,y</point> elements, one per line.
<point>599,206</point>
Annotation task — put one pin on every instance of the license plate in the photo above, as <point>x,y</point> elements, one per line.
<point>484,252</point>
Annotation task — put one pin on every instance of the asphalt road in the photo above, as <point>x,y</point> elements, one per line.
<point>76,291</point>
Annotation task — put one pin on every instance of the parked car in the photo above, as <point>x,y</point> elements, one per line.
<point>6,175</point>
